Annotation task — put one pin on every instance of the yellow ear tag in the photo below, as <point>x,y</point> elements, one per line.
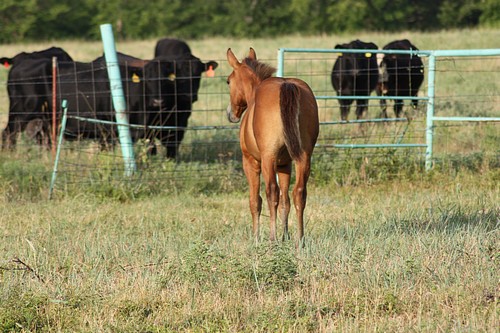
<point>368,54</point>
<point>339,54</point>
<point>135,78</point>
<point>210,72</point>
<point>171,77</point>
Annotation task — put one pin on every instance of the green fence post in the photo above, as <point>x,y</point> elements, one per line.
<point>431,93</point>
<point>119,104</point>
<point>281,63</point>
<point>64,105</point>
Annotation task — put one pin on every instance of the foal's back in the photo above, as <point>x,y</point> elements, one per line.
<point>267,114</point>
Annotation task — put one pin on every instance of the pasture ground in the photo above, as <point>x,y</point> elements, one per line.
<point>389,248</point>
<point>403,255</point>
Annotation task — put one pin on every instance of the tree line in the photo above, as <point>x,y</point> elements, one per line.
<point>33,20</point>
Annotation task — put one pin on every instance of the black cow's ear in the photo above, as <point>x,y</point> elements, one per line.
<point>338,46</point>
<point>212,64</point>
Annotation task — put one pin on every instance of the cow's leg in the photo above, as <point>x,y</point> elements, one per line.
<point>45,140</point>
<point>252,172</point>
<point>361,107</point>
<point>149,137</point>
<point>383,107</point>
<point>398,107</point>
<point>172,148</point>
<point>284,173</point>
<point>173,145</point>
<point>383,103</point>
<point>177,135</point>
<point>9,135</point>
<point>167,140</point>
<point>35,130</point>
<point>414,103</point>
<point>345,105</point>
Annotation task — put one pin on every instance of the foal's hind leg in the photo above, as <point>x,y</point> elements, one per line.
<point>252,172</point>
<point>284,173</point>
<point>272,193</point>
<point>303,169</point>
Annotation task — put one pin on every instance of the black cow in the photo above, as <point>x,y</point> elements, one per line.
<point>401,75</point>
<point>178,51</point>
<point>85,87</point>
<point>29,86</point>
<point>355,74</point>
<point>172,47</point>
<point>153,90</point>
<point>149,94</point>
<point>190,69</point>
<point>49,53</point>
<point>172,107</point>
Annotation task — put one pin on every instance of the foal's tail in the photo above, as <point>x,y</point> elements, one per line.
<point>289,104</point>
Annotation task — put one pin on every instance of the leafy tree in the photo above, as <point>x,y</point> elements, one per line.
<point>130,18</point>
<point>347,15</point>
<point>397,15</point>
<point>459,13</point>
<point>61,19</point>
<point>491,13</point>
<point>16,19</point>
<point>24,20</point>
<point>198,19</point>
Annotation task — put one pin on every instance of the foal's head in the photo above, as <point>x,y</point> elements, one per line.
<point>245,76</point>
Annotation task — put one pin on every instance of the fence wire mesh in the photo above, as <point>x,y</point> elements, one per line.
<point>467,87</point>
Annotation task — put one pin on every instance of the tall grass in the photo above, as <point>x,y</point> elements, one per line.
<point>402,255</point>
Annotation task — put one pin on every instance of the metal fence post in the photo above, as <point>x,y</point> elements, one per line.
<point>431,93</point>
<point>64,106</point>
<point>281,62</point>
<point>115,82</point>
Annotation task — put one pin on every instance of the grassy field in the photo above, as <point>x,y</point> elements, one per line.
<point>417,255</point>
<point>389,248</point>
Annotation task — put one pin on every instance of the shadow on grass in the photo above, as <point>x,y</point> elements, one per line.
<point>446,220</point>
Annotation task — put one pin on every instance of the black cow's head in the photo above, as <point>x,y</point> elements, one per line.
<point>160,86</point>
<point>188,71</point>
<point>355,73</point>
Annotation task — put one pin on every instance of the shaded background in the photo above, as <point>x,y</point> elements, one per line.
<point>30,20</point>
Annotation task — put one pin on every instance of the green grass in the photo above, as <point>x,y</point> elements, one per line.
<point>402,255</point>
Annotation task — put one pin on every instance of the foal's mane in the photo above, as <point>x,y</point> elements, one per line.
<point>263,71</point>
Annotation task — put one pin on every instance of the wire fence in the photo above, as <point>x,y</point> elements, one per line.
<point>465,87</point>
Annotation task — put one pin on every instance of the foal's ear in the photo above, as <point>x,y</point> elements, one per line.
<point>252,54</point>
<point>231,58</point>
